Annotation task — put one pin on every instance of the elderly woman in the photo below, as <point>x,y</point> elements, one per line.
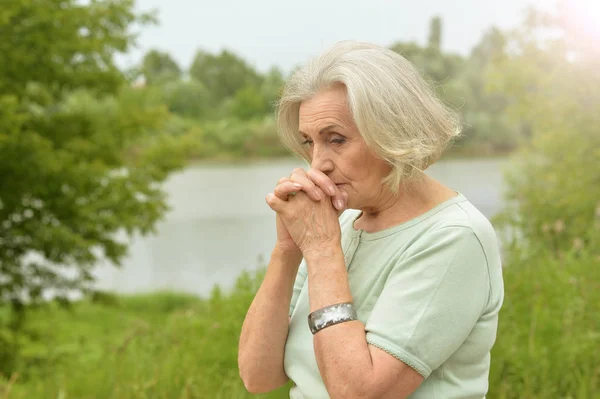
<point>383,282</point>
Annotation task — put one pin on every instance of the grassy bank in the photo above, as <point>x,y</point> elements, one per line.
<point>161,345</point>
<point>177,346</point>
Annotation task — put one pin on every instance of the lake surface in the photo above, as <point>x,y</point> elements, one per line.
<point>219,224</point>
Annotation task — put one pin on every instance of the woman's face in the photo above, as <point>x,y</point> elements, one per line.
<point>338,150</point>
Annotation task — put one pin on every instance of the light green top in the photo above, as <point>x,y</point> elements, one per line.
<point>428,291</point>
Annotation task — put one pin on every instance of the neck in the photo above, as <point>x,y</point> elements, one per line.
<point>413,199</point>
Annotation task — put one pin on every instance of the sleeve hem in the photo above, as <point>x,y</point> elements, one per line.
<point>400,354</point>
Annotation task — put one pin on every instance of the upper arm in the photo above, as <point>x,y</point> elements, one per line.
<point>428,307</point>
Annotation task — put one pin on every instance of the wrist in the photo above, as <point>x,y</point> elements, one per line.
<point>286,254</point>
<point>327,250</point>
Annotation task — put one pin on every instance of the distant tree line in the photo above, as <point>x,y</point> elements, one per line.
<point>220,91</point>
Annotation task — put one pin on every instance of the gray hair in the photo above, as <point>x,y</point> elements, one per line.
<point>396,111</point>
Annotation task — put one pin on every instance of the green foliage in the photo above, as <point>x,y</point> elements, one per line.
<point>247,103</point>
<point>187,98</point>
<point>63,44</point>
<point>159,67</point>
<point>435,65</point>
<point>224,89</point>
<point>82,154</point>
<point>256,102</point>
<point>226,103</point>
<point>224,74</point>
<point>552,221</point>
<point>242,139</point>
<point>68,185</point>
<point>435,33</point>
<point>554,185</point>
<point>161,346</point>
<point>461,83</point>
<point>272,87</point>
<point>486,125</point>
<point>176,346</point>
<point>549,332</point>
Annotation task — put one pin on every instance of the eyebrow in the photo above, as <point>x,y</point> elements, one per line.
<point>324,130</point>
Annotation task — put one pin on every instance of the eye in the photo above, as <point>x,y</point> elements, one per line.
<point>338,140</point>
<point>307,142</point>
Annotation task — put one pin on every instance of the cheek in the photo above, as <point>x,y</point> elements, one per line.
<point>363,170</point>
<point>371,176</point>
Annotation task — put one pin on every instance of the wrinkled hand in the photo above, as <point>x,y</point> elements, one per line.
<point>305,213</point>
<point>284,241</point>
<point>315,183</point>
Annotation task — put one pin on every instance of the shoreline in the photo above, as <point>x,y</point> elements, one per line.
<point>224,161</point>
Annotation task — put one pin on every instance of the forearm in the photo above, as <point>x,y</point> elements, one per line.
<point>265,328</point>
<point>341,350</point>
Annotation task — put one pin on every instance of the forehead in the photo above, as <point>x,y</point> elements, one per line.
<point>326,107</point>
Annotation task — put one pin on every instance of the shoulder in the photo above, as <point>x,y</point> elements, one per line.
<point>461,223</point>
<point>461,237</point>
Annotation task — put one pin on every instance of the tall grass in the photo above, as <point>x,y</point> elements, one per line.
<point>161,345</point>
<point>549,335</point>
<point>176,346</point>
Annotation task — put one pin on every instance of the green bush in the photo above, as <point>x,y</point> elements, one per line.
<point>554,193</point>
<point>549,332</point>
<point>160,345</point>
<point>243,139</point>
<point>177,346</point>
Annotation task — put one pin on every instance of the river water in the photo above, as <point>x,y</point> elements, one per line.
<point>219,224</point>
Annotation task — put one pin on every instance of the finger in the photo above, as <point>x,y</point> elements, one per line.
<point>323,181</point>
<point>344,198</point>
<point>326,184</point>
<point>274,202</point>
<point>298,171</point>
<point>284,189</point>
<point>314,192</point>
<point>345,195</point>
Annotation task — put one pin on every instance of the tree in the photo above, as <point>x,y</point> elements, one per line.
<point>435,65</point>
<point>486,125</point>
<point>224,74</point>
<point>188,98</point>
<point>272,87</point>
<point>247,103</point>
<point>554,184</point>
<point>461,83</point>
<point>63,44</point>
<point>252,101</point>
<point>159,67</point>
<point>435,33</point>
<point>82,157</point>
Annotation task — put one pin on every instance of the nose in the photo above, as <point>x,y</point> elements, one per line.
<point>321,159</point>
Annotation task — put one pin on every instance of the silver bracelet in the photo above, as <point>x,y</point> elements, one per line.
<point>330,315</point>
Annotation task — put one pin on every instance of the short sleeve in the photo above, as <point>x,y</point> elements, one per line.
<point>298,284</point>
<point>432,299</point>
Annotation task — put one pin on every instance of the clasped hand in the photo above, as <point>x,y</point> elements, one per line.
<point>308,205</point>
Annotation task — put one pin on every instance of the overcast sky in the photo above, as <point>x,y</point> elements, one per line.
<point>285,33</point>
